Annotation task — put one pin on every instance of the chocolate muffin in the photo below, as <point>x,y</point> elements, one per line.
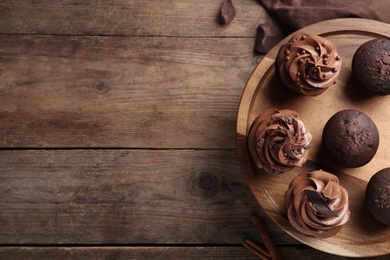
<point>378,196</point>
<point>351,138</point>
<point>371,67</point>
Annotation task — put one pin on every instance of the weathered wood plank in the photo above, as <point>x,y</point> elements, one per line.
<point>130,17</point>
<point>126,197</point>
<point>157,252</point>
<point>159,92</point>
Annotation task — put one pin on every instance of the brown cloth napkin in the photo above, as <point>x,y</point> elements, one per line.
<point>299,13</point>
<point>296,14</point>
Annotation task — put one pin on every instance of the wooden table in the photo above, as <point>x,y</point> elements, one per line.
<point>117,131</point>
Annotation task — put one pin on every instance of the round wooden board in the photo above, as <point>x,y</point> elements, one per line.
<point>362,235</point>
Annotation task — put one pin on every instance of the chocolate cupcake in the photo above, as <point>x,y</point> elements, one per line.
<point>351,138</point>
<point>308,64</point>
<point>316,204</point>
<point>378,196</point>
<point>371,67</point>
<point>278,141</point>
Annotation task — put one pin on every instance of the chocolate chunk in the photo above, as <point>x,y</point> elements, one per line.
<point>228,11</point>
<point>266,38</point>
<point>319,203</point>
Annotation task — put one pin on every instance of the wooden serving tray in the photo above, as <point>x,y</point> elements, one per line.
<point>362,235</point>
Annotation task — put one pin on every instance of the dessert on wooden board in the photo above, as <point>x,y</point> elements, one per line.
<point>279,141</point>
<point>378,196</point>
<point>362,235</point>
<point>309,65</point>
<point>351,138</point>
<point>316,204</point>
<point>371,67</point>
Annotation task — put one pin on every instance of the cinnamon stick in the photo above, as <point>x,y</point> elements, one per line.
<point>266,237</point>
<point>256,249</point>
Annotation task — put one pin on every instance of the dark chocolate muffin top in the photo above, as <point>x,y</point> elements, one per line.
<point>378,196</point>
<point>351,138</point>
<point>371,67</point>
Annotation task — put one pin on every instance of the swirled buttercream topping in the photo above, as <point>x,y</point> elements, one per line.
<point>278,141</point>
<point>308,64</point>
<point>310,216</point>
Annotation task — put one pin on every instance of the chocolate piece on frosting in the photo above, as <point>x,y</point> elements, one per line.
<point>308,64</point>
<point>320,203</point>
<point>303,211</point>
<point>278,141</point>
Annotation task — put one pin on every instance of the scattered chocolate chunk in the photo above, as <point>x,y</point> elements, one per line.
<point>266,38</point>
<point>228,12</point>
<point>319,203</point>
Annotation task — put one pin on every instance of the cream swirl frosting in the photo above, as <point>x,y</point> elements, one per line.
<point>306,214</point>
<point>278,141</point>
<point>308,64</point>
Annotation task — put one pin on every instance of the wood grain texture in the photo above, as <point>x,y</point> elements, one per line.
<point>159,252</point>
<point>130,17</point>
<point>129,92</point>
<point>125,197</point>
<point>362,235</point>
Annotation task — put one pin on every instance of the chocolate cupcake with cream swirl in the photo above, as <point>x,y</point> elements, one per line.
<point>316,204</point>
<point>278,141</point>
<point>308,64</point>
